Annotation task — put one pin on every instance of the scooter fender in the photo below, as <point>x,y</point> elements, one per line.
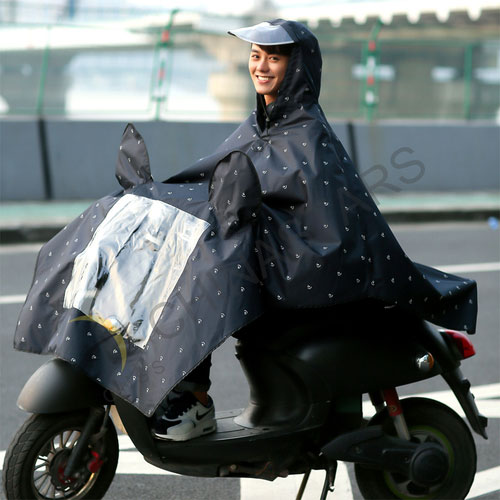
<point>58,387</point>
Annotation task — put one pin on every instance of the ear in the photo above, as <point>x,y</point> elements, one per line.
<point>132,167</point>
<point>235,192</point>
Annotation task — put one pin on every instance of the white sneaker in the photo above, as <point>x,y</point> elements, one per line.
<point>185,418</point>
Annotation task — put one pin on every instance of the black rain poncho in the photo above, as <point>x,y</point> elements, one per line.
<point>141,287</point>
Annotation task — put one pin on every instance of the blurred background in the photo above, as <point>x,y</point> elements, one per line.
<point>423,76</point>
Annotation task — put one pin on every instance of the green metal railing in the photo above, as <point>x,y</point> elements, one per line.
<point>162,67</point>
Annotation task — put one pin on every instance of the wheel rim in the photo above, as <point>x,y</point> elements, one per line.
<point>404,488</point>
<point>47,476</point>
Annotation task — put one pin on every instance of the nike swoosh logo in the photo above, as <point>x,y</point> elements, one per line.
<point>199,417</point>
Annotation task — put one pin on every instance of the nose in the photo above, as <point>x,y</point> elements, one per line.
<point>263,65</point>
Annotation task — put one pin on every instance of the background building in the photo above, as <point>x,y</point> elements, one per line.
<point>438,60</point>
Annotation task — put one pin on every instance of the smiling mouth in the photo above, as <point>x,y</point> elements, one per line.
<point>263,79</point>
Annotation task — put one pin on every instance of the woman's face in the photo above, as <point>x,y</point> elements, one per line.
<point>267,71</point>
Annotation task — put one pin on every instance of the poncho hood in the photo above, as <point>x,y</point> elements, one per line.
<point>302,82</point>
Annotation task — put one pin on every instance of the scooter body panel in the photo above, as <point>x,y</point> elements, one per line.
<point>363,363</point>
<point>231,444</point>
<point>234,445</point>
<point>327,366</point>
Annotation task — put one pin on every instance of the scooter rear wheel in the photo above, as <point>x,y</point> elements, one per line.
<point>431,422</point>
<point>35,461</point>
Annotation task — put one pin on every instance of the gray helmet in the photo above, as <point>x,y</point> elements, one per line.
<point>263,34</point>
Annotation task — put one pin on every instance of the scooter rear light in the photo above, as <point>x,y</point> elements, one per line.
<point>463,344</point>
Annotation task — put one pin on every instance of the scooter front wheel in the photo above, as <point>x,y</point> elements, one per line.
<point>428,422</point>
<point>35,461</point>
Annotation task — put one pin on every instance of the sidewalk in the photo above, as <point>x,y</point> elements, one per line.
<point>40,220</point>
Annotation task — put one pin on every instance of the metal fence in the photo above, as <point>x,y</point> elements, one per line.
<point>177,73</point>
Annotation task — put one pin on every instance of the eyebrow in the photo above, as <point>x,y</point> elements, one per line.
<point>255,51</point>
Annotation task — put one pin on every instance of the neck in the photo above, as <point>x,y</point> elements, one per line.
<point>269,98</point>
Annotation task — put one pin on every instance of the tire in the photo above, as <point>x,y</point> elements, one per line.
<point>428,421</point>
<point>37,455</point>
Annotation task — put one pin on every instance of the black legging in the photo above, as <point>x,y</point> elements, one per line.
<point>199,378</point>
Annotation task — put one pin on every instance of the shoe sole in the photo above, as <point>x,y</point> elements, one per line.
<point>196,432</point>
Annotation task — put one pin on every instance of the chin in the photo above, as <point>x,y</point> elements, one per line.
<point>263,91</point>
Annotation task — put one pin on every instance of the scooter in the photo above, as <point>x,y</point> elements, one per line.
<point>304,413</point>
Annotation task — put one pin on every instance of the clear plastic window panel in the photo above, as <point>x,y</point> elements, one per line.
<point>132,264</point>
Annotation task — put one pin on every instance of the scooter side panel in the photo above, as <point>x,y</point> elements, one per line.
<point>363,363</point>
<point>136,425</point>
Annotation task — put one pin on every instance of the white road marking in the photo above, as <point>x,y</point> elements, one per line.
<point>125,442</point>
<point>485,482</point>
<point>480,267</point>
<point>342,484</point>
<point>12,299</point>
<point>487,400</point>
<point>257,489</point>
<point>132,462</point>
<point>483,391</point>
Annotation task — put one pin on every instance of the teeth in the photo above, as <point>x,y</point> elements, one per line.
<point>263,78</point>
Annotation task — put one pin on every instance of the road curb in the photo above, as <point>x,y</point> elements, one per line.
<point>26,233</point>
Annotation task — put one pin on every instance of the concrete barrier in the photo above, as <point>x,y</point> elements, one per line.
<point>392,157</point>
<point>83,154</point>
<point>21,172</point>
<point>395,157</point>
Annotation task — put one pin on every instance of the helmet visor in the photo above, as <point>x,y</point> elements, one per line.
<point>263,34</point>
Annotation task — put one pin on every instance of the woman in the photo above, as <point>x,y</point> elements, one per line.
<point>147,282</point>
<point>321,239</point>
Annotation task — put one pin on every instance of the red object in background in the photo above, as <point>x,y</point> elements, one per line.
<point>372,45</point>
<point>165,36</point>
<point>370,80</point>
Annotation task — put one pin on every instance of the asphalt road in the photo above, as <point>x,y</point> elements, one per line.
<point>474,245</point>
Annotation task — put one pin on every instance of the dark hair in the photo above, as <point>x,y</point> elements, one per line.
<point>282,50</point>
